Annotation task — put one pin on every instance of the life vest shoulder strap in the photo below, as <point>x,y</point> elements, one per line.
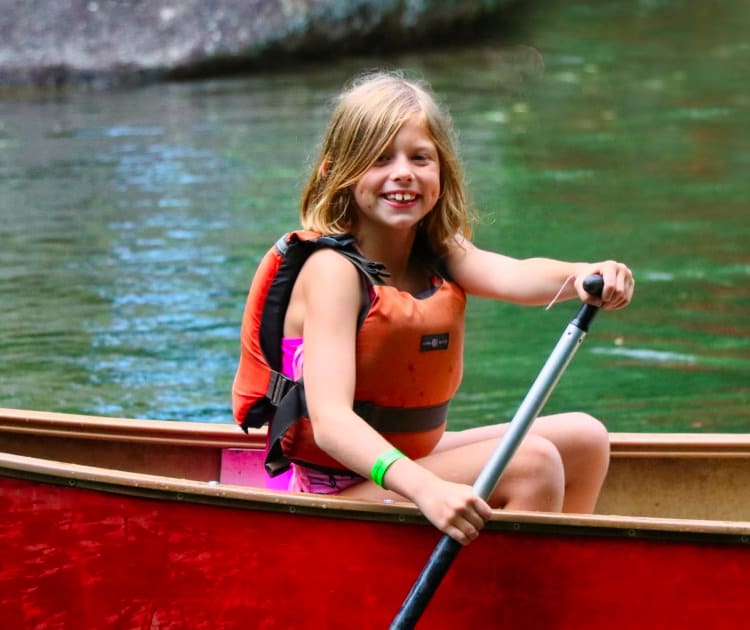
<point>345,244</point>
<point>259,386</point>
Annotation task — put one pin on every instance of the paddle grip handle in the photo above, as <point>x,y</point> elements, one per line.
<point>594,284</point>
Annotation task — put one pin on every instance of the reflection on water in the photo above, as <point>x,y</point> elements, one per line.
<point>131,222</point>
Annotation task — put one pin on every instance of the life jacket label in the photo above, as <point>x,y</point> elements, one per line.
<point>434,342</point>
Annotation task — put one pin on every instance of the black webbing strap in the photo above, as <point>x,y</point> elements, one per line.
<point>292,407</point>
<point>383,419</point>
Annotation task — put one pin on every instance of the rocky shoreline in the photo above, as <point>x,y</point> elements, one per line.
<point>53,44</point>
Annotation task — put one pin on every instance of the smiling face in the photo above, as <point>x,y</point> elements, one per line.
<point>403,184</point>
<point>353,183</point>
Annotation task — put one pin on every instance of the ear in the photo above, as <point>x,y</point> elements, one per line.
<point>325,166</point>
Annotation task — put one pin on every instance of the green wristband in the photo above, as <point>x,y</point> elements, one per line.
<point>383,463</point>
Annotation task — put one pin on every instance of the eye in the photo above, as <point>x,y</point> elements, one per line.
<point>423,154</point>
<point>382,158</point>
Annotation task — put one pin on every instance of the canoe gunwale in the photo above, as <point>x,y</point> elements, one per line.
<point>218,435</point>
<point>203,434</point>
<point>240,497</point>
<point>685,445</point>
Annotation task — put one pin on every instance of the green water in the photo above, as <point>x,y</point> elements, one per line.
<point>131,221</point>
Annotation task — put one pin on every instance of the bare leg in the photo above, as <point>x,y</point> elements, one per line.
<point>533,480</point>
<point>560,465</point>
<point>583,444</point>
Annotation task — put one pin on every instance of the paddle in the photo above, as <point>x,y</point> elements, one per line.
<point>447,549</point>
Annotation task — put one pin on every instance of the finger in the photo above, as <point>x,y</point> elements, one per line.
<point>613,286</point>
<point>483,509</point>
<point>463,531</point>
<point>621,279</point>
<point>473,521</point>
<point>459,534</point>
<point>624,287</point>
<point>616,292</point>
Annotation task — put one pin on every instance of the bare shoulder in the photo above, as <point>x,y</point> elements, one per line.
<point>330,269</point>
<point>458,249</point>
<point>327,289</point>
<point>460,258</point>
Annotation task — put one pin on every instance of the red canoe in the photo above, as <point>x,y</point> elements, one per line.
<point>115,523</point>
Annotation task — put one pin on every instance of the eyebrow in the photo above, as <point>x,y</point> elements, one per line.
<point>431,147</point>
<point>419,146</point>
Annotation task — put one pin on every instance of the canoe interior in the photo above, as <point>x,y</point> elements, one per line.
<point>686,476</point>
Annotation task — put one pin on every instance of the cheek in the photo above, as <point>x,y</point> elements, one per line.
<point>435,190</point>
<point>362,196</point>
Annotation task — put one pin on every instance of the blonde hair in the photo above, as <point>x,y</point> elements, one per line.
<point>367,117</point>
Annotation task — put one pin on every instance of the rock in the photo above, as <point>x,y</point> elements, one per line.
<point>51,43</point>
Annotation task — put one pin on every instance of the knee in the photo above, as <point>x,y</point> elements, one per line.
<point>545,464</point>
<point>541,477</point>
<point>586,460</point>
<point>592,436</point>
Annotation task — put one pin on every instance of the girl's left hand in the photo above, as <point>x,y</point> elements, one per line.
<point>618,285</point>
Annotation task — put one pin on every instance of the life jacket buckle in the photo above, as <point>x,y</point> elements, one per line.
<point>278,387</point>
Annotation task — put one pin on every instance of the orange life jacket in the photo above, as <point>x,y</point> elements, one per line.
<point>409,358</point>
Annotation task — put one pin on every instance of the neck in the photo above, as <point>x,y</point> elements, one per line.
<point>394,250</point>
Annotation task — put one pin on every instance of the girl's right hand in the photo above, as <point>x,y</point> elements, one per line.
<point>455,509</point>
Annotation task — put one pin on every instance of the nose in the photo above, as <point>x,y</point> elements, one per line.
<point>401,169</point>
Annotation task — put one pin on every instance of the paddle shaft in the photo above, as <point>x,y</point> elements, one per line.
<point>447,549</point>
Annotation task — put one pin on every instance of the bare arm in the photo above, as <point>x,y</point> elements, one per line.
<point>534,281</point>
<point>329,288</point>
<point>327,296</point>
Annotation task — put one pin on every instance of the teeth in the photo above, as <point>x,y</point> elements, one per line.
<point>401,197</point>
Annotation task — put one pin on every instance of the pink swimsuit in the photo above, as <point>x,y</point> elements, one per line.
<point>305,479</point>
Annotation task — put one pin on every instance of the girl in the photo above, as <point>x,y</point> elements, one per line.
<point>388,174</point>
